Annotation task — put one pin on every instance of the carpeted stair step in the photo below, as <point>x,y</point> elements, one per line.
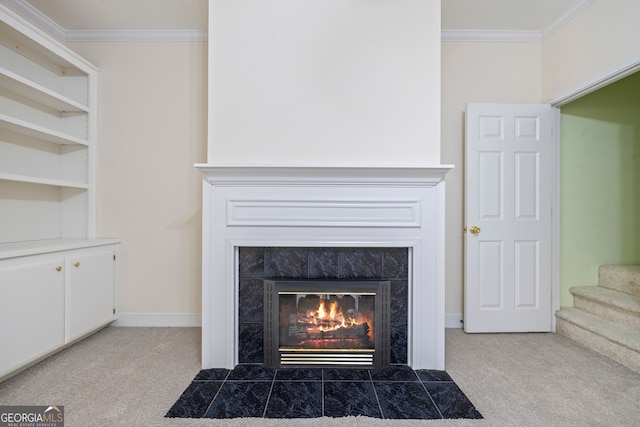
<point>617,342</point>
<point>618,307</point>
<point>623,278</point>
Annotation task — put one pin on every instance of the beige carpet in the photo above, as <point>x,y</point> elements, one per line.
<point>132,376</point>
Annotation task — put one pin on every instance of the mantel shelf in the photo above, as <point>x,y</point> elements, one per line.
<point>296,175</point>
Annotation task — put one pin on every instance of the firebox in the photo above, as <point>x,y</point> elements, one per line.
<point>326,323</point>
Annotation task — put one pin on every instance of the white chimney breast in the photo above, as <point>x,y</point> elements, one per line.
<point>336,81</point>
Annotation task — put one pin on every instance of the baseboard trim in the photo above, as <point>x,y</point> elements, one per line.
<point>453,321</point>
<point>189,320</point>
<point>176,320</point>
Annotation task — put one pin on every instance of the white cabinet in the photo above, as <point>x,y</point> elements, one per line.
<point>31,311</point>
<point>91,294</point>
<point>49,300</point>
<point>48,110</point>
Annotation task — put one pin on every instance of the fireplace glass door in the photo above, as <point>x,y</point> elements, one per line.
<point>328,323</point>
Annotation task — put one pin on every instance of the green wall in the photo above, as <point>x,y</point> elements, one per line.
<point>599,183</point>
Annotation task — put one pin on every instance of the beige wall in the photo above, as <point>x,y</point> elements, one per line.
<point>599,41</point>
<point>152,129</point>
<point>476,72</point>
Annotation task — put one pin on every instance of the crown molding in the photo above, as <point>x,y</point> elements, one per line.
<point>135,36</point>
<point>571,12</point>
<point>51,27</point>
<point>35,16</point>
<point>453,35</point>
<point>518,36</point>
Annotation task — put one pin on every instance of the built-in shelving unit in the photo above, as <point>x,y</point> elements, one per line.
<point>47,136</point>
<point>57,280</point>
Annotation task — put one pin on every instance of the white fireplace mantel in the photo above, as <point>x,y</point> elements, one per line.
<point>323,175</point>
<point>323,206</point>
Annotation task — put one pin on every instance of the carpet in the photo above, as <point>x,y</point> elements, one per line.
<point>253,391</point>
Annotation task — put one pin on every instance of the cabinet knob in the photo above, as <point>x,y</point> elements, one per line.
<point>76,264</point>
<point>59,268</point>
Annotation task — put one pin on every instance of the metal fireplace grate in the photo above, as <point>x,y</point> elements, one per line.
<point>332,358</point>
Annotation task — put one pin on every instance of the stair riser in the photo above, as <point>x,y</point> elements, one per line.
<point>623,278</point>
<point>600,344</point>
<point>614,314</point>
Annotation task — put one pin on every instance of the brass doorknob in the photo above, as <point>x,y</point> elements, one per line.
<point>474,230</point>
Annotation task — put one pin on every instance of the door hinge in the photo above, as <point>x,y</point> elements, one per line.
<point>114,311</point>
<point>114,257</point>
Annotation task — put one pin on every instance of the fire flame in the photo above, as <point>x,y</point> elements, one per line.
<point>334,314</point>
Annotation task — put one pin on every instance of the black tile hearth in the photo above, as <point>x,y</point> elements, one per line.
<point>239,399</point>
<point>406,400</point>
<point>195,400</point>
<point>295,399</point>
<point>345,398</point>
<point>253,391</point>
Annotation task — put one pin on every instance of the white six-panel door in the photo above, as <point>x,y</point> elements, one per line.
<point>509,182</point>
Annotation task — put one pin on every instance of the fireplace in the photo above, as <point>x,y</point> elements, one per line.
<point>325,264</point>
<point>329,323</point>
<point>322,207</point>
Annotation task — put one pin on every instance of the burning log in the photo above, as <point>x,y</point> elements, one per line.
<point>359,332</point>
<point>309,321</point>
<point>351,332</point>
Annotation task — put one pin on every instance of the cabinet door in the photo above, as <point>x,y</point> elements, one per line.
<point>91,291</point>
<point>31,311</point>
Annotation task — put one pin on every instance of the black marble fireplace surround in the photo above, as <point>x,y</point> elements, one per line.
<point>258,264</point>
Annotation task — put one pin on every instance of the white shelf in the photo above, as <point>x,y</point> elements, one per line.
<point>26,88</point>
<point>35,131</point>
<point>20,35</point>
<point>43,181</point>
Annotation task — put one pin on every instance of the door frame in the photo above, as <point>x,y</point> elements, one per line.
<point>598,81</point>
<point>555,220</point>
